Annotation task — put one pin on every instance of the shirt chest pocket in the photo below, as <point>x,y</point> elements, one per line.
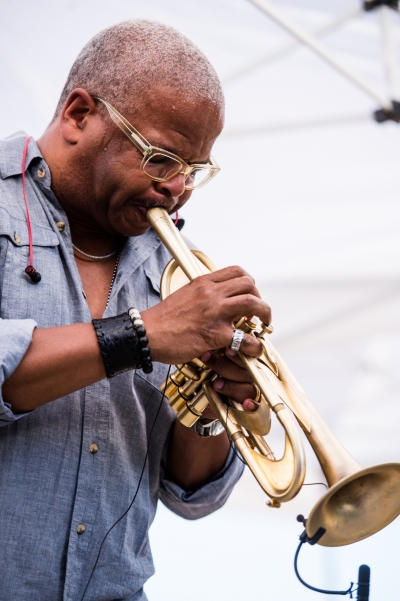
<point>20,297</point>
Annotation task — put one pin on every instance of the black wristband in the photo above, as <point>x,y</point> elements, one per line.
<point>119,344</point>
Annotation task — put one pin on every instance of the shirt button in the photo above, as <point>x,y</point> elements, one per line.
<point>81,529</point>
<point>60,226</point>
<point>41,173</point>
<point>93,448</point>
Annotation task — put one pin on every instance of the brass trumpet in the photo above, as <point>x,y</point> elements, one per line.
<point>359,502</point>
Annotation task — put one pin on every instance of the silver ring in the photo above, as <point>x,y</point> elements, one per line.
<point>237,340</point>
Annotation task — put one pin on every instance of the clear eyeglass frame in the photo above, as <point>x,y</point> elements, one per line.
<point>161,165</point>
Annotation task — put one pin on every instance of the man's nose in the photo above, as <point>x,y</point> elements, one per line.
<point>174,186</point>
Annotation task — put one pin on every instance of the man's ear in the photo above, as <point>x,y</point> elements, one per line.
<point>74,115</point>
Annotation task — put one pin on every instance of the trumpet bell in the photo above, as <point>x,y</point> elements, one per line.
<point>357,506</point>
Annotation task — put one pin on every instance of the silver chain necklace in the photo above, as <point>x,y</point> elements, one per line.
<point>94,256</point>
<point>114,275</point>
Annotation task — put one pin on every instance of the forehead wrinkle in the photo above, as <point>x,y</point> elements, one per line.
<point>159,143</point>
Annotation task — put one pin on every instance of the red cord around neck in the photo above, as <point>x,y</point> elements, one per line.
<point>30,270</point>
<point>28,219</point>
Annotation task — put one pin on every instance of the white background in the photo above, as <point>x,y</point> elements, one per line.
<point>313,213</point>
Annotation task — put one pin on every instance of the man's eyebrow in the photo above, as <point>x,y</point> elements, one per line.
<point>164,147</point>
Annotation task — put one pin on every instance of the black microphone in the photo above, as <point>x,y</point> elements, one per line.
<point>363,583</point>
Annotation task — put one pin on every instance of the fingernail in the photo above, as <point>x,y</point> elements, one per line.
<point>205,357</point>
<point>230,352</point>
<point>218,384</point>
<point>250,406</point>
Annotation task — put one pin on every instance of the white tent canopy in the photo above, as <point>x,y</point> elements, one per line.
<point>339,196</point>
<point>316,211</point>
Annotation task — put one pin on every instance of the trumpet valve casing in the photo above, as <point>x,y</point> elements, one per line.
<point>184,393</point>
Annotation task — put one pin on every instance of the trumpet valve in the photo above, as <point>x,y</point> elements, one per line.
<point>193,410</point>
<point>177,378</point>
<point>176,401</point>
<point>189,370</point>
<point>189,389</point>
<point>266,329</point>
<point>247,325</point>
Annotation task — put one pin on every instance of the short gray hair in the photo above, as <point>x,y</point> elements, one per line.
<point>123,61</point>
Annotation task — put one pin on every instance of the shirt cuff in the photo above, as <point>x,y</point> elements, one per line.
<point>206,499</point>
<point>15,338</point>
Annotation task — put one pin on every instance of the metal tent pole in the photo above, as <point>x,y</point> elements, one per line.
<point>389,52</point>
<point>314,44</point>
<point>278,127</point>
<point>291,46</point>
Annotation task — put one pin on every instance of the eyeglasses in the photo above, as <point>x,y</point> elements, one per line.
<point>161,165</point>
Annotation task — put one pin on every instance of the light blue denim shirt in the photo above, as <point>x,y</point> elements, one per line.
<point>50,482</point>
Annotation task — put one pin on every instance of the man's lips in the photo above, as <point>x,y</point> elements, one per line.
<point>144,207</point>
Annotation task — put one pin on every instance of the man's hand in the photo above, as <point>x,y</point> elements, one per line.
<point>193,460</point>
<point>234,380</point>
<point>199,317</point>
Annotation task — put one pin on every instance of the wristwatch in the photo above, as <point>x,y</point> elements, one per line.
<point>205,427</point>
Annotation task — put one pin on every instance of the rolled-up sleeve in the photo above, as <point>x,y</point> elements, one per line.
<point>208,498</point>
<point>15,338</point>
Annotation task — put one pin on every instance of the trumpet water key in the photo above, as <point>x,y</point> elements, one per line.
<point>359,501</point>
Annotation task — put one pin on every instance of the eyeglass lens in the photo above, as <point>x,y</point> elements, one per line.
<point>163,167</point>
<point>198,177</point>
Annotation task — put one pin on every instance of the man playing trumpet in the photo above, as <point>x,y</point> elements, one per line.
<point>87,438</point>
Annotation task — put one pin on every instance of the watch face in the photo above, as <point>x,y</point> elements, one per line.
<point>218,428</point>
<point>205,427</point>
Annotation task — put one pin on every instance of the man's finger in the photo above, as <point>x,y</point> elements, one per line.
<point>226,368</point>
<point>227,273</point>
<point>249,405</point>
<point>251,346</point>
<point>246,304</point>
<point>235,390</point>
<point>234,357</point>
<point>237,287</point>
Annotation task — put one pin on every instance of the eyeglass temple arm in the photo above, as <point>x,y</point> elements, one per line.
<point>140,141</point>
<point>136,138</point>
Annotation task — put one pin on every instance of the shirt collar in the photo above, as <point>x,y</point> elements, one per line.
<point>11,150</point>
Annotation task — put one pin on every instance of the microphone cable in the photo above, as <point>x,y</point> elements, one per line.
<point>349,591</point>
<point>136,492</point>
<point>364,571</point>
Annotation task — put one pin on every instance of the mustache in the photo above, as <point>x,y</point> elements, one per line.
<point>169,206</point>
